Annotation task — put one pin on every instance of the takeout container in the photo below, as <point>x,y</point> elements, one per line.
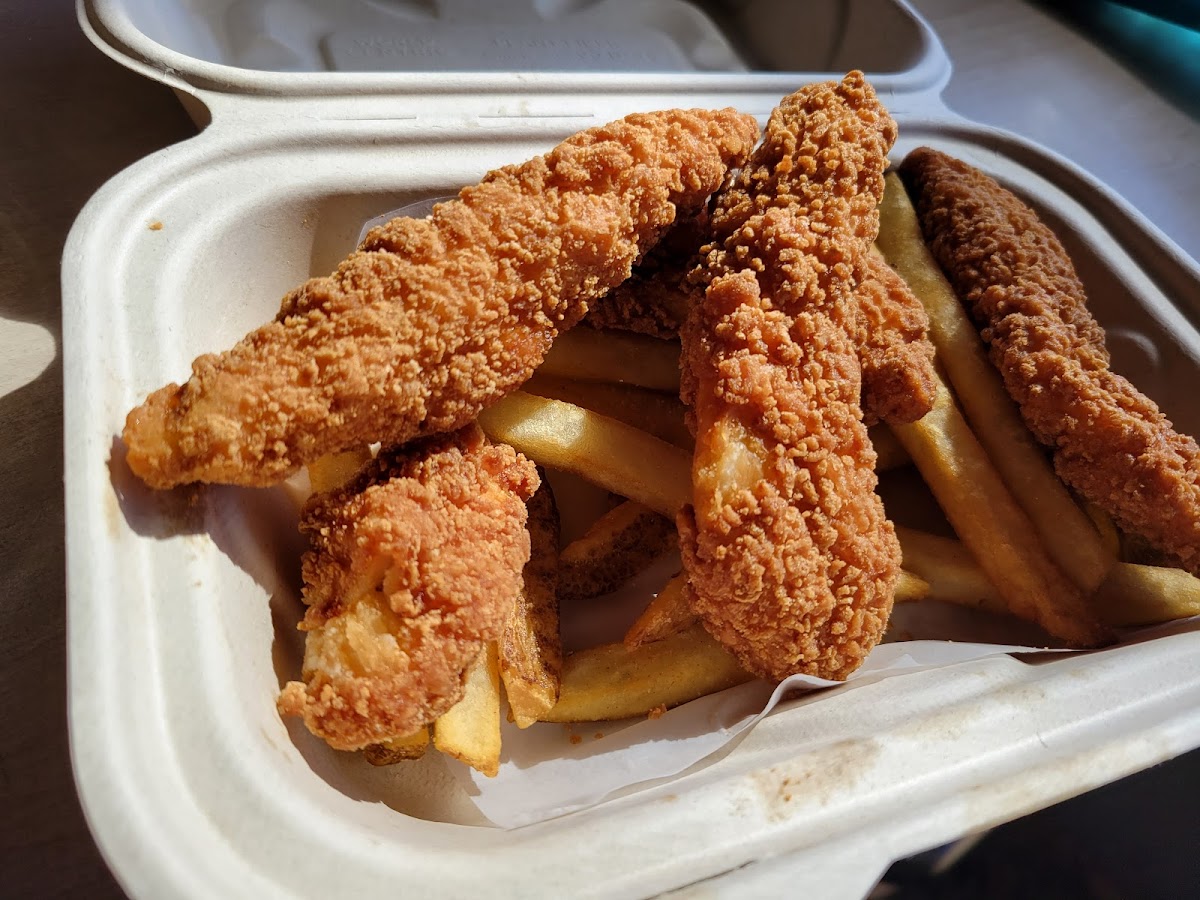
<point>182,605</point>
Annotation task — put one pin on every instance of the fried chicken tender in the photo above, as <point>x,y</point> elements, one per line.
<point>431,320</point>
<point>1110,442</point>
<point>654,300</point>
<point>791,560</point>
<point>892,333</point>
<point>898,381</point>
<point>414,566</point>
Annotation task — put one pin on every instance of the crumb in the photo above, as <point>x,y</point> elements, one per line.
<point>657,712</point>
<point>155,225</point>
<point>576,739</point>
<point>598,735</point>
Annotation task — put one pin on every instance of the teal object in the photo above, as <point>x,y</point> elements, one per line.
<point>1185,13</point>
<point>1158,39</point>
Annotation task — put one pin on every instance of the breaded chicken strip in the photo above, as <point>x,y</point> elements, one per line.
<point>792,563</point>
<point>1111,443</point>
<point>654,300</point>
<point>414,565</point>
<point>891,333</point>
<point>892,336</point>
<point>432,320</point>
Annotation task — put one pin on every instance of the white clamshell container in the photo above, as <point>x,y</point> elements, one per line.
<point>319,115</point>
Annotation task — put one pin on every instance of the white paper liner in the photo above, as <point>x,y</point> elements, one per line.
<point>544,774</point>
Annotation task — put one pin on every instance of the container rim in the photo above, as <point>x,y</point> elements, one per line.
<point>108,25</point>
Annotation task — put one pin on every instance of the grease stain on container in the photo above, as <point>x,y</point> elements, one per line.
<point>815,777</point>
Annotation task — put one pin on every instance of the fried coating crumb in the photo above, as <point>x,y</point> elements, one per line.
<point>414,566</point>
<point>1110,442</point>
<point>654,300</point>
<point>898,382</point>
<point>431,320</point>
<point>791,561</point>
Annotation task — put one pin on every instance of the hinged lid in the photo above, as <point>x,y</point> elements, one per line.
<point>466,60</point>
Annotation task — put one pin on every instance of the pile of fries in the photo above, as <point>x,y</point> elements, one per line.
<point>605,407</point>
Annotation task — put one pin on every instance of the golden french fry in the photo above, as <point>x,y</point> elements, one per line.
<point>612,682</point>
<point>890,452</point>
<point>470,730</point>
<point>619,357</point>
<point>334,469</point>
<point>1133,594</point>
<point>598,449</point>
<point>530,650</point>
<point>949,570</point>
<point>621,543</point>
<point>993,527</point>
<point>387,753</point>
<point>910,587</point>
<point>1110,537</point>
<point>1068,534</point>
<point>667,614</point>
<point>654,412</point>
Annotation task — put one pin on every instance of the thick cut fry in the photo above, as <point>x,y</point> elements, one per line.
<point>670,613</point>
<point>1110,536</point>
<point>621,543</point>
<point>334,469</point>
<point>662,415</point>
<point>667,614</point>
<point>1070,538</point>
<point>612,682</point>
<point>890,452</point>
<point>1131,595</point>
<point>1147,595</point>
<point>598,449</point>
<point>411,746</point>
<point>911,587</point>
<point>948,569</point>
<point>654,412</point>
<point>530,649</point>
<point>993,527</point>
<point>470,730</point>
<point>618,357</point>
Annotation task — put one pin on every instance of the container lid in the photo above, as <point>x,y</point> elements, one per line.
<point>488,54</point>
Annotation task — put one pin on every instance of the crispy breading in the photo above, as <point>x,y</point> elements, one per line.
<point>791,560</point>
<point>898,383</point>
<point>892,333</point>
<point>414,565</point>
<point>1110,442</point>
<point>530,649</point>
<point>654,299</point>
<point>432,319</point>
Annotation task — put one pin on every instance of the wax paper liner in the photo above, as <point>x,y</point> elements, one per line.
<point>544,773</point>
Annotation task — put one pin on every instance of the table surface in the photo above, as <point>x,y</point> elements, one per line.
<point>72,118</point>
